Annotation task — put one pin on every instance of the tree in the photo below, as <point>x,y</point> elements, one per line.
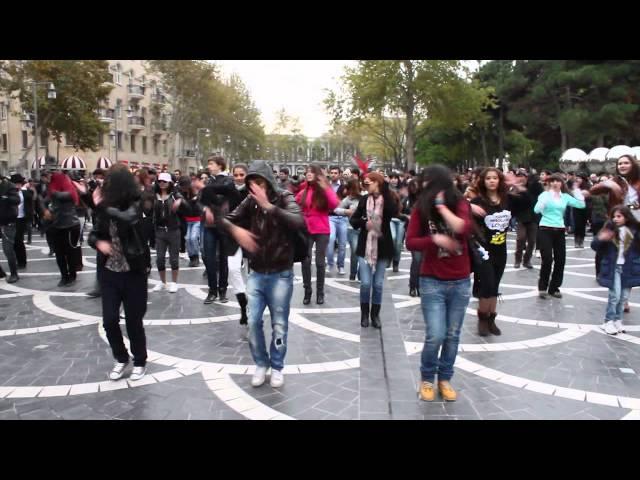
<point>81,90</point>
<point>416,90</point>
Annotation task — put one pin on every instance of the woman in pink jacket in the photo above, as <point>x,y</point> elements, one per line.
<point>316,199</point>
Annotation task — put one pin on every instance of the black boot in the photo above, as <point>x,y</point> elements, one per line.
<point>2,274</point>
<point>375,316</point>
<point>211,297</point>
<point>413,292</point>
<point>395,266</point>
<point>223,295</point>
<point>307,296</point>
<point>364,315</point>
<point>95,292</point>
<point>242,300</point>
<point>63,281</point>
<point>71,279</point>
<point>483,324</point>
<point>13,278</point>
<point>493,328</point>
<point>320,296</point>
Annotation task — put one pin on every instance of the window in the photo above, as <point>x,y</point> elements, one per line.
<point>5,146</point>
<point>117,75</point>
<point>119,107</point>
<point>101,140</point>
<point>69,142</point>
<point>25,139</point>
<point>144,145</point>
<point>3,111</point>
<point>120,142</point>
<point>133,143</point>
<point>155,145</point>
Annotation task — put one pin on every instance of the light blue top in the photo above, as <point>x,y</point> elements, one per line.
<point>552,209</point>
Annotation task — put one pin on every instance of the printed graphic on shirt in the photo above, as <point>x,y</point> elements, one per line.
<point>444,230</point>
<point>498,222</point>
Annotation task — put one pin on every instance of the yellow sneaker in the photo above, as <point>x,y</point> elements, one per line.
<point>427,392</point>
<point>447,392</point>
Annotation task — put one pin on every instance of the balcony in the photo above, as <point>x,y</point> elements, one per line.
<point>107,115</point>
<point>159,99</point>
<point>136,123</point>
<point>160,127</point>
<point>136,92</point>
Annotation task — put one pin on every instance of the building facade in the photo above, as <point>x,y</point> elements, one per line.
<point>137,113</point>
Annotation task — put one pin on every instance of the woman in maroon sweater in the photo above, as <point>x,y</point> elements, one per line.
<point>439,228</point>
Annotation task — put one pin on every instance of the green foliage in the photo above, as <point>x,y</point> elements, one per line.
<point>81,89</point>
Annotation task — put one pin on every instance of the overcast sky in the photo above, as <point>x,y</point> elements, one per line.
<point>296,85</point>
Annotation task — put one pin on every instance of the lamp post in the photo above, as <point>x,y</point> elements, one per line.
<point>115,126</point>
<point>207,132</point>
<point>51,94</point>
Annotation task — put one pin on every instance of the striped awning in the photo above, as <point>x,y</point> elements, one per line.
<point>73,163</point>
<point>42,161</point>
<point>104,163</point>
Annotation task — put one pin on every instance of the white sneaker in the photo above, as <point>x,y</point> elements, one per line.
<point>277,378</point>
<point>619,327</point>
<point>118,371</point>
<point>259,377</point>
<point>137,373</point>
<point>159,287</point>
<point>340,271</point>
<point>609,328</point>
<point>173,287</point>
<point>329,268</point>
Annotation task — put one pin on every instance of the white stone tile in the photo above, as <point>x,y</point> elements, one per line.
<point>7,333</point>
<point>291,369</point>
<point>180,322</point>
<point>152,356</point>
<point>353,362</point>
<point>571,393</point>
<point>230,393</point>
<point>602,399</point>
<point>146,380</point>
<point>513,381</point>
<point>467,365</point>
<point>166,375</point>
<point>166,360</point>
<point>632,415</point>
<point>235,369</point>
<point>209,372</point>
<point>82,388</point>
<point>260,413</point>
<point>4,391</point>
<point>627,370</point>
<point>547,324</point>
<point>540,387</point>
<point>474,347</point>
<point>282,417</point>
<point>109,385</point>
<point>533,343</point>
<point>55,391</point>
<point>629,402</point>
<point>185,372</point>
<point>489,373</point>
<point>24,392</point>
<point>198,321</point>
<point>187,365</point>
<point>26,331</point>
<point>311,368</point>
<point>494,347</point>
<point>241,404</point>
<point>49,328</point>
<point>523,321</point>
<point>220,384</point>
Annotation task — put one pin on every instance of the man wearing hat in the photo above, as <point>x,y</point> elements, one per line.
<point>9,201</point>
<point>25,216</point>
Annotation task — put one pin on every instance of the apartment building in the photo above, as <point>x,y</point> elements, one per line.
<point>137,113</point>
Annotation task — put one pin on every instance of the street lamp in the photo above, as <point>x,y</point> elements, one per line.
<point>207,132</point>
<point>51,94</point>
<point>129,111</point>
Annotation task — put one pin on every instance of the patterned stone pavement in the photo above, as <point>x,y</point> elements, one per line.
<point>552,361</point>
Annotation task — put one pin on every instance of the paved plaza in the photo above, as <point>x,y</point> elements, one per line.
<point>551,362</point>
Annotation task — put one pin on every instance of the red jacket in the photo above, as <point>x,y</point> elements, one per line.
<point>317,220</point>
<point>455,267</point>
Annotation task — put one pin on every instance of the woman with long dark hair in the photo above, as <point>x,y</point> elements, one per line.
<point>440,226</point>
<point>316,199</point>
<point>493,216</point>
<point>551,233</point>
<point>414,187</point>
<point>64,229</point>
<point>375,246</point>
<point>125,263</point>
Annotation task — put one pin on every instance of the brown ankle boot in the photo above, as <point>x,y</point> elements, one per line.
<point>483,324</point>
<point>493,328</point>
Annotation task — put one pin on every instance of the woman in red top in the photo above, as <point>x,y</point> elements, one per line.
<point>439,228</point>
<point>316,199</point>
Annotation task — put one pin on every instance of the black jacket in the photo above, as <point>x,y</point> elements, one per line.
<point>9,201</point>
<point>163,215</point>
<point>218,195</point>
<point>130,231</point>
<point>359,221</point>
<point>273,228</point>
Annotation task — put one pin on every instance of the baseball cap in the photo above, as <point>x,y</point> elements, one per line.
<point>521,172</point>
<point>164,176</point>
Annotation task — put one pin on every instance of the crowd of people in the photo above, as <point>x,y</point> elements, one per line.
<point>254,218</point>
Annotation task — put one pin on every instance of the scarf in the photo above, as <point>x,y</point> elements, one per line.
<point>374,214</point>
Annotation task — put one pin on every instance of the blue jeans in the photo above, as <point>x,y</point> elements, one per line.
<point>618,296</point>
<point>271,290</point>
<point>365,280</point>
<point>397,235</point>
<point>192,239</point>
<point>352,235</point>
<point>338,229</point>
<point>217,271</point>
<point>444,303</point>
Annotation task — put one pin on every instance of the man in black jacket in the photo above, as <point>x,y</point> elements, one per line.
<point>9,201</point>
<point>25,216</point>
<point>270,217</point>
<point>527,228</point>
<point>215,199</point>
